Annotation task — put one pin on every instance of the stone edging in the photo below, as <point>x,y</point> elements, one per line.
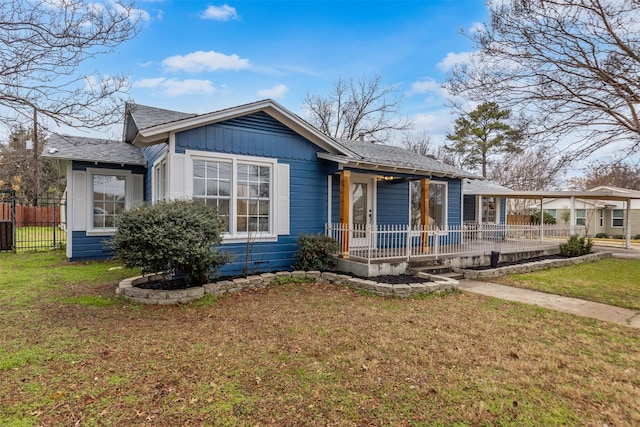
<point>127,288</point>
<point>531,266</point>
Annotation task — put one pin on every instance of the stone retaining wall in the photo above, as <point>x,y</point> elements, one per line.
<point>129,291</point>
<point>531,266</point>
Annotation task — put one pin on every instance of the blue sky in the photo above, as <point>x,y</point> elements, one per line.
<point>200,56</point>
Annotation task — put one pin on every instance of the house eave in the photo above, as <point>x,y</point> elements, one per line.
<point>160,133</point>
<point>380,167</point>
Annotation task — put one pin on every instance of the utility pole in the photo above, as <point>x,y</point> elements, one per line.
<point>36,157</point>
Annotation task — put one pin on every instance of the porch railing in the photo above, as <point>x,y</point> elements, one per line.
<point>387,242</point>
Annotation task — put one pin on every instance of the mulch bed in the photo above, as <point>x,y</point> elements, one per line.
<point>520,262</point>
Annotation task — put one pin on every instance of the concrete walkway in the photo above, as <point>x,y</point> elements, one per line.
<point>609,313</point>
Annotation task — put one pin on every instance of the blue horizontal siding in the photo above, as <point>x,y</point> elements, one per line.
<point>90,247</point>
<point>393,203</point>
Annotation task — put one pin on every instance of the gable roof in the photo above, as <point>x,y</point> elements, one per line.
<point>160,123</point>
<point>394,159</point>
<point>67,147</point>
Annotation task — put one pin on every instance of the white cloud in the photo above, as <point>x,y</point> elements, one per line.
<point>276,92</point>
<point>220,13</point>
<point>477,27</point>
<point>175,87</point>
<point>200,61</point>
<point>452,59</point>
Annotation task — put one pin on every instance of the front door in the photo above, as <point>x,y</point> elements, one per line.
<point>362,212</point>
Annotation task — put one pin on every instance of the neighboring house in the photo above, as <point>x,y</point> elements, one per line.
<point>270,174</point>
<point>599,216</point>
<point>486,210</point>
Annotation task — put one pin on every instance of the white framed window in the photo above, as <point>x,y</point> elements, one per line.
<point>553,213</point>
<point>601,218</point>
<point>617,218</point>
<point>160,181</point>
<point>247,191</point>
<point>438,204</point>
<point>581,216</point>
<point>212,185</point>
<point>109,194</point>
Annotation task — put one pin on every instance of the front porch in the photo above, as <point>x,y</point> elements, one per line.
<point>398,245</point>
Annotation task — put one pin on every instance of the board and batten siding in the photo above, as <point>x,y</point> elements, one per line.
<point>260,135</point>
<point>91,247</point>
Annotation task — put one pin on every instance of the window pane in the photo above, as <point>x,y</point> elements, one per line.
<point>108,199</point>
<point>224,188</point>
<point>198,169</point>
<point>437,204</point>
<point>198,187</point>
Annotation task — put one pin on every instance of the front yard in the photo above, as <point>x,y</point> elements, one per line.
<point>298,354</point>
<point>608,281</point>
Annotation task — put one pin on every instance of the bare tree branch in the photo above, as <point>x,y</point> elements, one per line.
<point>356,106</point>
<point>573,65</point>
<point>43,44</point>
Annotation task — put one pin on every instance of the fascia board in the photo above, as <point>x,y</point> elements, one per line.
<point>160,133</point>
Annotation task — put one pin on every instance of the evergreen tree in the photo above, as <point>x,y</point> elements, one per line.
<point>482,133</point>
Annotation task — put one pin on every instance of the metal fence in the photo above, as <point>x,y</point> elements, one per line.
<point>387,242</point>
<point>31,225</point>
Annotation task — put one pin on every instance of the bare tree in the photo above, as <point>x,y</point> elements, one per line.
<point>537,168</point>
<point>421,143</point>
<point>615,174</point>
<point>42,47</point>
<point>572,64</point>
<point>357,105</point>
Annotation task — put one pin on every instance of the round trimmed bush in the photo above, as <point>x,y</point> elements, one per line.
<point>175,238</point>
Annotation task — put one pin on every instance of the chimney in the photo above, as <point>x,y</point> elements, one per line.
<point>361,135</point>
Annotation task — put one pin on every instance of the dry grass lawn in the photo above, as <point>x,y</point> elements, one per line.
<point>308,354</point>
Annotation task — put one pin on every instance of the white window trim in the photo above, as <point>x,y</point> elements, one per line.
<point>158,164</point>
<point>128,194</point>
<point>445,226</point>
<point>622,218</point>
<point>243,237</point>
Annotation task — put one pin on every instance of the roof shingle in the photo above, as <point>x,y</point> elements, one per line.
<point>92,149</point>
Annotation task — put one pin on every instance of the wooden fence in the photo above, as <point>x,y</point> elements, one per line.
<point>28,216</point>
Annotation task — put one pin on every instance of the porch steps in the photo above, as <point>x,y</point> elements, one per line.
<point>432,266</point>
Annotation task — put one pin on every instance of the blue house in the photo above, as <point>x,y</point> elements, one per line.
<point>269,172</point>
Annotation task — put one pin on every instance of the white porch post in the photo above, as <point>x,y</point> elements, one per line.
<point>541,220</point>
<point>572,216</point>
<point>628,225</point>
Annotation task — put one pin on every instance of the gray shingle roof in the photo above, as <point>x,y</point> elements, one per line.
<point>146,117</point>
<point>476,186</point>
<point>92,149</point>
<point>390,155</point>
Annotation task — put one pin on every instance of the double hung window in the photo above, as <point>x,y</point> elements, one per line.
<point>241,190</point>
<point>617,218</point>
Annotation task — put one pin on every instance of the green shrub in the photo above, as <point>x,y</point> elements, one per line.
<point>576,246</point>
<point>602,235</point>
<point>636,237</point>
<point>548,218</point>
<point>315,253</point>
<point>174,238</point>
<point>618,236</point>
